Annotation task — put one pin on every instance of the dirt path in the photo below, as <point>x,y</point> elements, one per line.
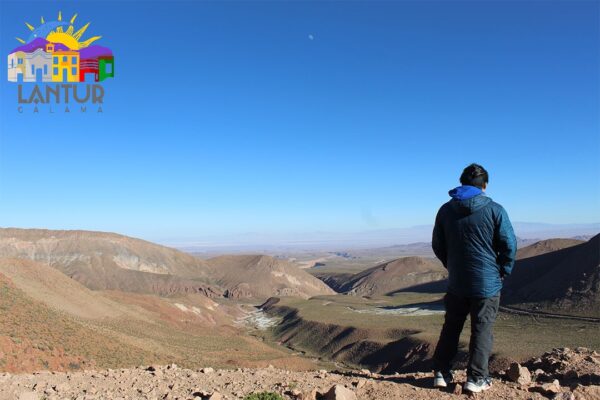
<point>542,314</point>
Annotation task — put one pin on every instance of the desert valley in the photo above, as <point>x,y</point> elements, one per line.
<point>101,315</point>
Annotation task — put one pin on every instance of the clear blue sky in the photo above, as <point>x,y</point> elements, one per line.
<point>229,117</point>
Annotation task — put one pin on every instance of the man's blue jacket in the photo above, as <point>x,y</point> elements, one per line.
<point>474,239</point>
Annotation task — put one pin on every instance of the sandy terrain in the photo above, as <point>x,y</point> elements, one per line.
<point>172,382</point>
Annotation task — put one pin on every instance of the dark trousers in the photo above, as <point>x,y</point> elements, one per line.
<point>483,315</point>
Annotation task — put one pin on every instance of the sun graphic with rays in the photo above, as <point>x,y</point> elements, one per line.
<point>60,31</point>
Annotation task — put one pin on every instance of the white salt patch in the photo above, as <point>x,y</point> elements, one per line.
<point>257,320</point>
<point>196,310</point>
<point>291,279</point>
<point>412,311</point>
<point>211,305</point>
<point>182,307</point>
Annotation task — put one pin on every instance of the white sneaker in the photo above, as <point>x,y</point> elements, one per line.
<point>479,385</point>
<point>442,379</point>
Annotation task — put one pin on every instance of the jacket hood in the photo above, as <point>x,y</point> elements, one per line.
<point>468,199</point>
<point>464,192</point>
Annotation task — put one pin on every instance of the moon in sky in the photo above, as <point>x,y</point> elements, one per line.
<point>311,37</point>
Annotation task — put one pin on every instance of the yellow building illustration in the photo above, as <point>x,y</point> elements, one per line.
<point>65,66</point>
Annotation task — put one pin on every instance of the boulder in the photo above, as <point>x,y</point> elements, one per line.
<point>548,389</point>
<point>457,389</point>
<point>564,396</point>
<point>339,392</point>
<point>519,374</point>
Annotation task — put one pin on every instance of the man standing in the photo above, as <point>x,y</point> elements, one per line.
<point>474,239</point>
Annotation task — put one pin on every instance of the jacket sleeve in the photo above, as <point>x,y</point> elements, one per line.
<point>505,243</point>
<point>438,241</point>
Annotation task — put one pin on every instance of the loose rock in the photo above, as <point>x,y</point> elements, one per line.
<point>548,389</point>
<point>564,396</point>
<point>457,389</point>
<point>519,374</point>
<point>312,395</point>
<point>339,392</point>
<point>591,392</point>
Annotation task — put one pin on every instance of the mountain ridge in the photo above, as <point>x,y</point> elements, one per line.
<point>104,260</point>
<point>567,279</point>
<point>262,276</point>
<point>391,276</point>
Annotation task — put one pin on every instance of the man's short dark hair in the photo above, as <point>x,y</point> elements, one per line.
<point>474,175</point>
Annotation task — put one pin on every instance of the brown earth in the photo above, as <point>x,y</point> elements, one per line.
<point>546,246</point>
<point>426,275</point>
<point>393,276</point>
<point>172,382</point>
<point>398,334</point>
<point>34,336</point>
<point>49,321</point>
<point>334,280</point>
<point>260,276</point>
<point>571,366</point>
<point>379,349</point>
<point>50,286</point>
<point>563,281</point>
<point>108,261</point>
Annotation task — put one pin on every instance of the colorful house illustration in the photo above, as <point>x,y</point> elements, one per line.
<point>30,67</point>
<point>54,54</point>
<point>106,67</point>
<point>65,66</point>
<point>16,66</point>
<point>98,61</point>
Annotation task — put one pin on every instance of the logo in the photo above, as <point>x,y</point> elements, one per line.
<point>57,59</point>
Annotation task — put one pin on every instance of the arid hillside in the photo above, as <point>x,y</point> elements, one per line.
<point>258,276</point>
<point>392,276</point>
<point>47,285</point>
<point>50,321</point>
<point>546,246</point>
<point>562,281</point>
<point>105,261</point>
<point>108,261</point>
<point>36,336</point>
<point>398,333</point>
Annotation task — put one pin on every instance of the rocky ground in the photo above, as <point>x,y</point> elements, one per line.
<point>561,374</point>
